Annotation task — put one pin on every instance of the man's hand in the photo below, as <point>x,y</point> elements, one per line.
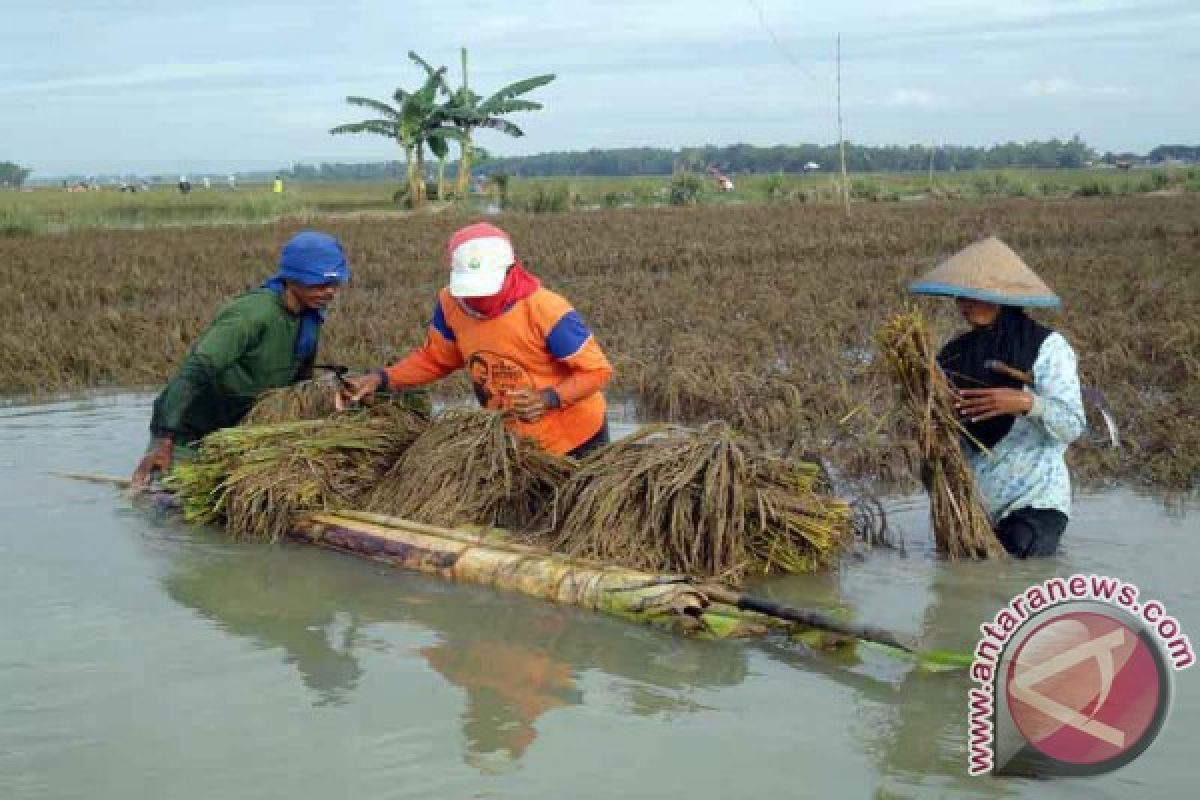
<point>980,404</point>
<point>353,390</point>
<point>527,404</point>
<point>162,452</point>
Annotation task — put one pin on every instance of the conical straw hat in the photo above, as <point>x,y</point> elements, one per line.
<point>988,271</point>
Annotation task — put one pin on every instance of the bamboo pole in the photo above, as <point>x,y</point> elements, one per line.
<point>841,137</point>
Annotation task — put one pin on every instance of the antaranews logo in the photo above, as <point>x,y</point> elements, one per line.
<point>1074,678</point>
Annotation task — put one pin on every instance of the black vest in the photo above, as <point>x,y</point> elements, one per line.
<point>1013,339</point>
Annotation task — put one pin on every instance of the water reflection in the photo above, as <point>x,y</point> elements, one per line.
<point>255,595</point>
<point>516,659</point>
<point>922,735</point>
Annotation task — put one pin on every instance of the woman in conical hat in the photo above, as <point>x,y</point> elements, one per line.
<point>1018,390</point>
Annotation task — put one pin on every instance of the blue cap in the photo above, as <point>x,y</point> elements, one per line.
<point>313,258</point>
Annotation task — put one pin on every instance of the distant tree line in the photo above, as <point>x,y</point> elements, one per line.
<point>342,172</point>
<point>1180,152</point>
<point>745,158</point>
<point>12,175</point>
<point>795,158</point>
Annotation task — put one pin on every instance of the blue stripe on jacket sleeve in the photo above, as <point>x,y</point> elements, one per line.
<point>439,321</point>
<point>568,335</point>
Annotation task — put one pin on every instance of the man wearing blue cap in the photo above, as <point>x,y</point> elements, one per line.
<point>263,339</point>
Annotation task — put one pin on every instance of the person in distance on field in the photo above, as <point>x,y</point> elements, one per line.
<point>263,339</point>
<point>527,351</point>
<point>1018,393</point>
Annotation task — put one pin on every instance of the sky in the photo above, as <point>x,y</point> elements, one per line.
<point>108,86</point>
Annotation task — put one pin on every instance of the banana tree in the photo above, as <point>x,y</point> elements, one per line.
<point>410,120</point>
<point>469,111</point>
<point>440,124</point>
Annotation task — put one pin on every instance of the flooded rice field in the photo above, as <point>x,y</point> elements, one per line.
<point>143,658</point>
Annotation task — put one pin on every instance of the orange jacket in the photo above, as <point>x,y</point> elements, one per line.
<point>539,343</point>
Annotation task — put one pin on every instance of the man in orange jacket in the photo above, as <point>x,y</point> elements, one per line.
<point>527,351</point>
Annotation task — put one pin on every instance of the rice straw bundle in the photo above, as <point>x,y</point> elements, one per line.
<point>961,528</point>
<point>314,399</point>
<point>254,478</point>
<point>699,502</point>
<point>468,468</point>
<point>301,401</point>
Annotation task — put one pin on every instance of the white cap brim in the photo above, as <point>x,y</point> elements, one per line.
<point>476,284</point>
<point>478,266</point>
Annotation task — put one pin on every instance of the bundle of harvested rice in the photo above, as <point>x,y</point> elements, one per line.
<point>314,399</point>
<point>301,401</point>
<point>699,502</point>
<point>254,478</point>
<point>468,468</point>
<point>961,527</point>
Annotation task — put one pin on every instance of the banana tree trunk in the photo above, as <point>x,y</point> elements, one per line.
<point>441,180</point>
<point>417,188</point>
<point>410,170</point>
<point>489,559</point>
<point>466,154</point>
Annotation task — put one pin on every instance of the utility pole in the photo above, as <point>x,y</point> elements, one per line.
<point>841,138</point>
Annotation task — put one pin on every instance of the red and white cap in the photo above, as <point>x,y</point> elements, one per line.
<point>479,256</point>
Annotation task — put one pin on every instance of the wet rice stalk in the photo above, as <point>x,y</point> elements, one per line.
<point>961,528</point>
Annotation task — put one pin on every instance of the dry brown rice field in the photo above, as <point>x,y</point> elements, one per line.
<point>762,315</point>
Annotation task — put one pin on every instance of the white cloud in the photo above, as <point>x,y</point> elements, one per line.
<point>914,98</point>
<point>151,74</point>
<point>1063,87</point>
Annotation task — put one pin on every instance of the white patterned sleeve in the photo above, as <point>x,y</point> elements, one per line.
<point>1057,400</point>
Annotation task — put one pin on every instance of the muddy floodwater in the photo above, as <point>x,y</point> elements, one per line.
<point>141,658</point>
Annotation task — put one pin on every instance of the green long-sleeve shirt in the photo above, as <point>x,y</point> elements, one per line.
<point>247,349</point>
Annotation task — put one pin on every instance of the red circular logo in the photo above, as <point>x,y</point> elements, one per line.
<point>1084,689</point>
